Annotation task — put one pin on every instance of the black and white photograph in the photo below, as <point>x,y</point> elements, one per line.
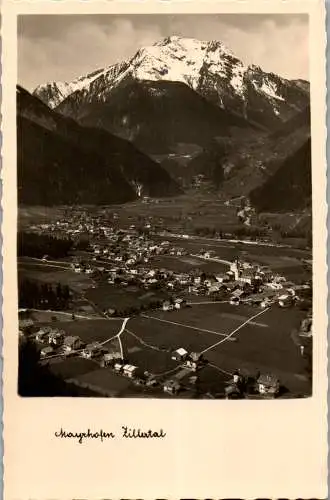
<point>164,189</point>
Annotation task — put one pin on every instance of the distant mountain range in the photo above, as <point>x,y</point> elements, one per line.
<point>209,68</point>
<point>177,109</point>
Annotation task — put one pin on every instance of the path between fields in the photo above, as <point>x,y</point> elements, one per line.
<point>145,343</point>
<point>42,264</point>
<point>165,350</point>
<point>236,330</point>
<point>122,329</point>
<point>58,313</point>
<point>185,326</point>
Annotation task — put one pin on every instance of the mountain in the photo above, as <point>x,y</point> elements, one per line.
<point>55,92</point>
<point>157,116</point>
<point>60,162</point>
<point>208,68</point>
<point>290,187</point>
<point>249,164</point>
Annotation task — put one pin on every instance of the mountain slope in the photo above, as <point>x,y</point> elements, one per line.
<point>157,116</point>
<point>249,164</point>
<point>209,68</point>
<point>290,187</point>
<point>81,165</point>
<point>51,171</point>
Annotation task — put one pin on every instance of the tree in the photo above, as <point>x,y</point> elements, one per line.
<point>36,380</point>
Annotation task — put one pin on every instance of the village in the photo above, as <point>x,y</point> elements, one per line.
<point>132,256</point>
<point>129,258</point>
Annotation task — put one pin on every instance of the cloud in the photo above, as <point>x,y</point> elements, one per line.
<point>63,47</point>
<point>278,47</point>
<point>77,51</point>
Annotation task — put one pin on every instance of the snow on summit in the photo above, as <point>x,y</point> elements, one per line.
<point>173,59</point>
<point>181,60</point>
<point>208,67</point>
<point>58,91</point>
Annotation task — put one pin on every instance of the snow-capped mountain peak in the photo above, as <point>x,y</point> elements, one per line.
<point>208,67</point>
<point>181,59</point>
<point>56,92</point>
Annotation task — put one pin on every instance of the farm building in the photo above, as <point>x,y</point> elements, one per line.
<point>285,300</point>
<point>42,333</point>
<point>71,343</point>
<point>118,367</point>
<point>91,350</point>
<point>130,371</point>
<point>180,354</point>
<point>110,358</point>
<point>56,337</point>
<point>179,303</point>
<point>151,381</point>
<point>172,386</point>
<point>46,351</point>
<point>194,361</point>
<point>236,296</point>
<point>268,385</point>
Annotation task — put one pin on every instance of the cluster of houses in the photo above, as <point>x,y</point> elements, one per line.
<point>193,360</point>
<point>266,385</point>
<point>55,341</point>
<point>246,282</point>
<point>131,251</point>
<point>131,248</point>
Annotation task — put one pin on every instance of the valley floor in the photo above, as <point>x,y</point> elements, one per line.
<point>232,337</point>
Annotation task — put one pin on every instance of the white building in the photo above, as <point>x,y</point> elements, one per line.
<point>180,354</point>
<point>129,370</point>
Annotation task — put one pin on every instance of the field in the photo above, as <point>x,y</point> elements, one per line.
<point>288,261</point>
<point>109,296</point>
<point>54,274</point>
<point>264,344</point>
<point>230,336</point>
<point>89,330</point>
<point>104,380</point>
<point>188,264</point>
<point>72,367</point>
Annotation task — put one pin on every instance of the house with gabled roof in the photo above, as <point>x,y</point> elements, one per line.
<point>179,354</point>
<point>268,385</point>
<point>194,361</point>
<point>110,358</point>
<point>91,350</point>
<point>171,386</point>
<point>71,343</point>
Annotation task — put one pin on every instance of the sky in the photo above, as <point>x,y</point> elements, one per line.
<point>62,47</point>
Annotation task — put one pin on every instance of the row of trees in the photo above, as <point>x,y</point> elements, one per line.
<point>135,310</point>
<point>38,245</point>
<point>240,232</point>
<point>36,295</point>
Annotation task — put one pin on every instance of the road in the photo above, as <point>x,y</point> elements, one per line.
<point>212,259</point>
<point>236,330</point>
